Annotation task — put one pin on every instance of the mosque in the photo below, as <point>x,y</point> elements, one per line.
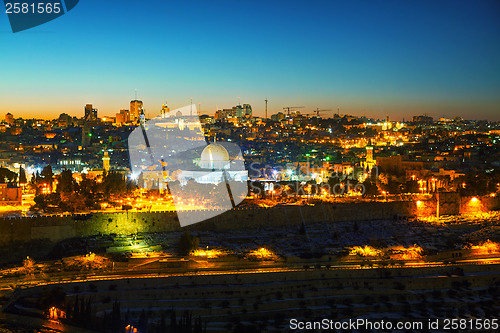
<point>217,167</point>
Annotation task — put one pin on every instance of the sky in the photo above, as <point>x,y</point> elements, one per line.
<point>372,58</point>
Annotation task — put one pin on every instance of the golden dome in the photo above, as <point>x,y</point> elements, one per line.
<point>214,156</point>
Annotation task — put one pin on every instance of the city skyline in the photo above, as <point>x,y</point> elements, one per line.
<point>392,59</point>
<point>123,208</point>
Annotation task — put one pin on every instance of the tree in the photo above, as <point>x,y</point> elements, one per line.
<point>371,188</point>
<point>113,184</point>
<point>394,187</point>
<point>411,186</point>
<point>28,265</point>
<point>22,176</point>
<point>187,243</point>
<point>87,190</point>
<point>7,176</point>
<point>116,318</point>
<point>66,182</point>
<point>73,202</point>
<point>40,202</point>
<point>48,175</point>
<point>143,322</point>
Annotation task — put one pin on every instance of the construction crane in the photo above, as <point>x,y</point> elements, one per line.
<point>318,111</point>
<point>288,108</point>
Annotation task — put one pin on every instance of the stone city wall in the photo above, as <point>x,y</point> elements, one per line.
<point>56,228</point>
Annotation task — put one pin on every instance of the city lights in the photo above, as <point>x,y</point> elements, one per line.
<point>374,199</point>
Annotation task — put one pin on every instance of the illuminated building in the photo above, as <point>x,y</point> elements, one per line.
<point>369,160</point>
<point>90,113</point>
<point>136,108</point>
<point>70,163</point>
<point>238,111</point>
<point>105,161</point>
<point>10,194</point>
<point>123,117</point>
<point>215,159</point>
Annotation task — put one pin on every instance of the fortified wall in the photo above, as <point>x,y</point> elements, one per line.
<point>56,228</point>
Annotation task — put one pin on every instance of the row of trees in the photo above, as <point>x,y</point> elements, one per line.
<point>73,196</point>
<point>7,176</point>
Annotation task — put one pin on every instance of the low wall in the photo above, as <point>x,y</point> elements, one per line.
<point>453,204</point>
<point>56,228</point>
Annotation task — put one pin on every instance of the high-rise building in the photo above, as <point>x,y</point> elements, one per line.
<point>136,108</point>
<point>242,111</point>
<point>247,110</point>
<point>90,113</point>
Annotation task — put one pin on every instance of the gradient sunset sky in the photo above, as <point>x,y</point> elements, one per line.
<point>373,58</point>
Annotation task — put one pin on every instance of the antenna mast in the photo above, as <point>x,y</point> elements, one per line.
<point>266,107</point>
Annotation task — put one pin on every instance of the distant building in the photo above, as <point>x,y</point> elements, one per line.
<point>64,120</point>
<point>10,194</point>
<point>107,120</point>
<point>278,116</point>
<point>205,119</point>
<point>9,119</point>
<point>238,111</point>
<point>369,160</point>
<point>223,114</point>
<point>86,136</point>
<point>398,164</point>
<point>136,109</point>
<point>70,163</point>
<point>164,110</point>
<point>244,111</point>
<point>422,119</point>
<point>123,117</point>
<point>90,113</point>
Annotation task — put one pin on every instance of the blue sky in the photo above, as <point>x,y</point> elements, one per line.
<point>374,58</point>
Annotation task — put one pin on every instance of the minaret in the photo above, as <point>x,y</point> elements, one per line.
<point>105,161</point>
<point>369,161</point>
